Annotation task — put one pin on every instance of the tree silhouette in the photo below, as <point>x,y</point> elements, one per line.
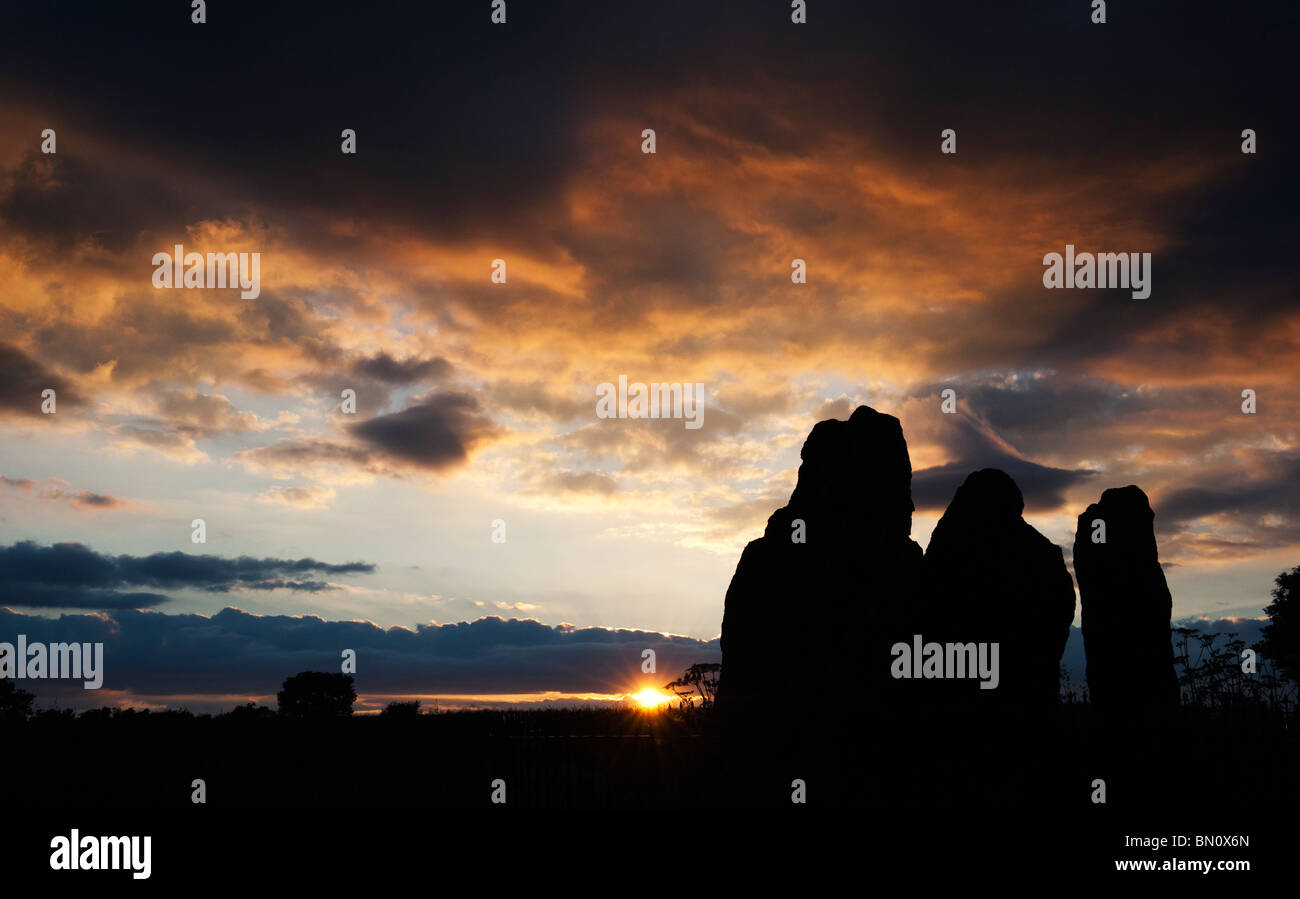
<point>700,679</point>
<point>1281,641</point>
<point>249,711</point>
<point>15,704</point>
<point>409,709</point>
<point>317,694</point>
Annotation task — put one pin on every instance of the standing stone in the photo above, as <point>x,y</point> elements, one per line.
<point>992,578</point>
<point>807,626</point>
<point>1126,605</point>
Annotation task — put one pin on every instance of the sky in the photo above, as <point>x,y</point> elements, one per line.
<point>475,400</point>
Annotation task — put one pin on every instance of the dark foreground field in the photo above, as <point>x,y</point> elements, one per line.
<point>919,795</point>
<point>629,758</point>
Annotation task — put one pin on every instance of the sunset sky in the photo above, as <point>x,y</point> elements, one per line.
<point>476,401</point>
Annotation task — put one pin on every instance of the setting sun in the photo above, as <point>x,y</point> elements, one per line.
<point>650,698</point>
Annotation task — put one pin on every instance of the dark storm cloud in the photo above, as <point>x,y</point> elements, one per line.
<point>976,447</point>
<point>24,378</point>
<point>1089,417</point>
<point>58,201</point>
<point>234,652</point>
<point>501,104</point>
<point>1043,487</point>
<point>1029,404</point>
<point>71,575</point>
<point>505,136</point>
<point>383,367</point>
<point>518,98</point>
<point>435,433</point>
<point>177,569</point>
<point>44,596</point>
<point>1244,496</point>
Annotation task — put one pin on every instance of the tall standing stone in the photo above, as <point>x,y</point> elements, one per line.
<point>816,601</point>
<point>1126,604</point>
<point>992,578</point>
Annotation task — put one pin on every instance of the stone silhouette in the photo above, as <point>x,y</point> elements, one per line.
<point>817,600</point>
<point>841,547</point>
<point>991,578</point>
<point>1126,604</point>
<point>808,693</point>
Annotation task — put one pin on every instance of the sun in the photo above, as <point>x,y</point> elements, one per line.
<point>650,698</point>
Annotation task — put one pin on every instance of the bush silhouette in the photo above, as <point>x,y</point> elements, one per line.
<point>249,711</point>
<point>1281,641</point>
<point>698,680</point>
<point>402,709</point>
<point>317,694</point>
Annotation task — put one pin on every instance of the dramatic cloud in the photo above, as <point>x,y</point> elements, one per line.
<point>978,447</point>
<point>383,367</point>
<point>70,575</point>
<point>476,398</point>
<point>1042,487</point>
<point>25,380</point>
<point>437,432</point>
<point>1244,495</point>
<point>1250,508</point>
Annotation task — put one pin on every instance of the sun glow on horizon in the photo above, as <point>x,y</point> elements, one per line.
<point>650,698</point>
